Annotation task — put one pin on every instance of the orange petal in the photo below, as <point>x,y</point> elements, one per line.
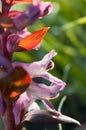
<point>33,39</point>
<point>15,83</point>
<point>19,1</point>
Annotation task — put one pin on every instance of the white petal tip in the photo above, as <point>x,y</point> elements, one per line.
<point>66,119</point>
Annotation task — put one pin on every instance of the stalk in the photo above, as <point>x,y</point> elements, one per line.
<point>8,117</point>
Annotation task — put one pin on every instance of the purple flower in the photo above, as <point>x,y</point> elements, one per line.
<point>39,90</point>
<point>32,14</point>
<point>42,92</point>
<point>13,21</point>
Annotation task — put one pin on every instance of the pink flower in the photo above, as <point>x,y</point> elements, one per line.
<point>40,90</point>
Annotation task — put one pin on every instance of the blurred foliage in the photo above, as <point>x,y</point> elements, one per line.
<point>67,36</point>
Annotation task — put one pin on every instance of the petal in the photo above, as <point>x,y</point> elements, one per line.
<point>44,116</point>
<point>22,102</point>
<point>38,91</point>
<point>33,39</point>
<point>14,39</point>
<point>32,14</point>
<point>46,59</point>
<point>65,119</point>
<point>40,67</point>
<point>33,107</point>
<point>26,18</point>
<point>45,8</point>
<point>50,106</point>
<point>42,91</point>
<point>54,81</point>
<point>12,43</point>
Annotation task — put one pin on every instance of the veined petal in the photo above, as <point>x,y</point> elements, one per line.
<point>42,91</point>
<point>14,39</point>
<point>25,41</point>
<point>37,68</point>
<point>54,80</point>
<point>33,39</point>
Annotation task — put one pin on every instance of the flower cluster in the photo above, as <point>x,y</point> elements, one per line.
<point>19,88</point>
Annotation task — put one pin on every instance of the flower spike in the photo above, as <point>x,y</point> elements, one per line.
<point>21,84</point>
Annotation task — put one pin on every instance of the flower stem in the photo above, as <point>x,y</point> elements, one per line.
<point>8,117</point>
<point>59,109</point>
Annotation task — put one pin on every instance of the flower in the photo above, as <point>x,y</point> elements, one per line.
<point>13,33</point>
<point>38,90</point>
<point>41,91</point>
<point>25,40</point>
<point>32,14</point>
<point>45,117</point>
<point>14,21</point>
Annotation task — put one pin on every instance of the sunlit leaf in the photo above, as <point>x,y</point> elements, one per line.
<point>33,39</point>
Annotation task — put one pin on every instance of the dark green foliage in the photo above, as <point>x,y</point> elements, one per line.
<point>37,126</point>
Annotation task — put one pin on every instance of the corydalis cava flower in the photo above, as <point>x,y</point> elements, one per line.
<point>18,87</point>
<point>40,91</point>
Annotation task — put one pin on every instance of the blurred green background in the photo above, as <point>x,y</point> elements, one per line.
<point>67,36</point>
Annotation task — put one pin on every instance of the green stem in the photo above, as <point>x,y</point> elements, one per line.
<point>61,103</point>
<point>59,109</point>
